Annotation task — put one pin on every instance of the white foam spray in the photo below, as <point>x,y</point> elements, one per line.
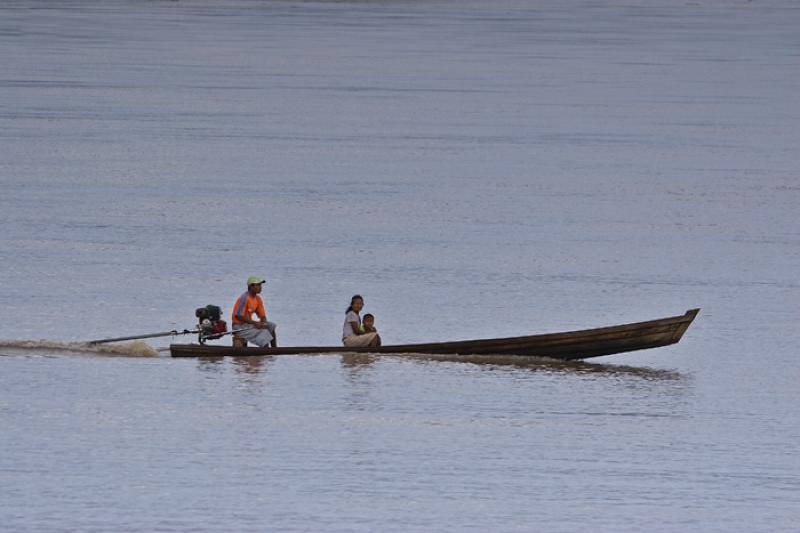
<point>50,348</point>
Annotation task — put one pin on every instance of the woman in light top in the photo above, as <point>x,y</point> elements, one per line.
<point>353,334</point>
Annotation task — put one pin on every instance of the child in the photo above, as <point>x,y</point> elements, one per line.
<point>368,324</point>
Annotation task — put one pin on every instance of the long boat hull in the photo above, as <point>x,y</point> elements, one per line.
<point>569,345</point>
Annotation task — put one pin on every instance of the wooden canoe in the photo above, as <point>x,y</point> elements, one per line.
<point>570,345</point>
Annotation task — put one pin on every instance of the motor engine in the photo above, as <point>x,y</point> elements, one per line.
<point>210,324</point>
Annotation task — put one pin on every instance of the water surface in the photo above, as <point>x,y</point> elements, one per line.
<point>474,170</point>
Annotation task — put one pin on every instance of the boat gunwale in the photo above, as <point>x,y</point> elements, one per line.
<point>571,335</point>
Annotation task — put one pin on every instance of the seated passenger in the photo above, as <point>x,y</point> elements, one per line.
<point>352,333</point>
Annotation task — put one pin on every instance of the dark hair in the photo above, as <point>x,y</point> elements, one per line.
<point>368,315</point>
<point>353,299</point>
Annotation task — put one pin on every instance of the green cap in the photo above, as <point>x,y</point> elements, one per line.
<point>253,280</point>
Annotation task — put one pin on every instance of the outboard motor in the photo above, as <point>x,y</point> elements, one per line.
<point>210,324</point>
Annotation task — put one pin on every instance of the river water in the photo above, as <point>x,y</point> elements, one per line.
<point>474,169</point>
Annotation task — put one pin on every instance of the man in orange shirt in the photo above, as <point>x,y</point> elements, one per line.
<point>260,332</point>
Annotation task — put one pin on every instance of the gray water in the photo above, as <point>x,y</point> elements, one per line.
<point>474,169</point>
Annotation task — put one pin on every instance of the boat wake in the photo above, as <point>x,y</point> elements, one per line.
<point>53,348</point>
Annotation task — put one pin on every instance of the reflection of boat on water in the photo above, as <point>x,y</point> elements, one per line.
<point>564,346</point>
<point>546,366</point>
<point>526,363</point>
<point>361,361</point>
